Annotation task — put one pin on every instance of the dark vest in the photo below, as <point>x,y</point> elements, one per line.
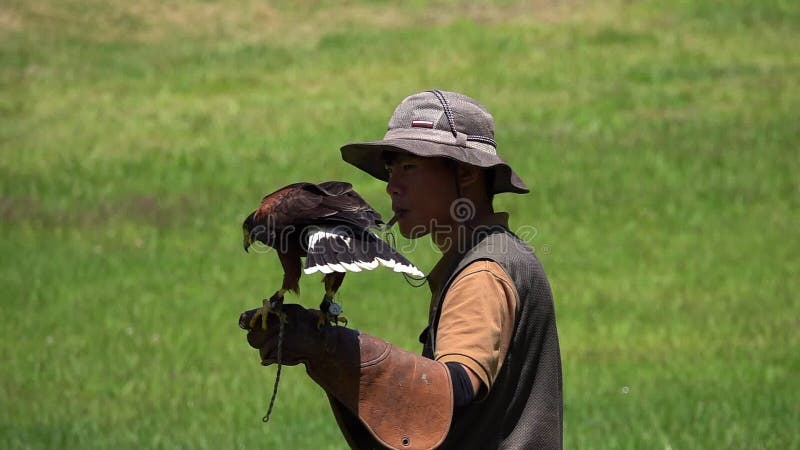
<point>523,410</point>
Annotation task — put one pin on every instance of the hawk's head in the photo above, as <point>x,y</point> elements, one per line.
<point>255,232</point>
<point>246,241</point>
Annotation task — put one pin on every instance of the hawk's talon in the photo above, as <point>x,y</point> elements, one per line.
<point>327,319</point>
<point>272,305</point>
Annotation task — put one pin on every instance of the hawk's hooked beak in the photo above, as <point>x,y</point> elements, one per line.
<point>246,240</point>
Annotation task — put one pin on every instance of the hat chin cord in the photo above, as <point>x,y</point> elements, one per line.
<point>459,194</point>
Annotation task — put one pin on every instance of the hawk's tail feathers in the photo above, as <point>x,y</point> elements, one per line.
<point>322,244</point>
<point>331,250</point>
<point>377,252</point>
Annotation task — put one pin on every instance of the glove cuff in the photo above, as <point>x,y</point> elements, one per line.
<point>405,400</point>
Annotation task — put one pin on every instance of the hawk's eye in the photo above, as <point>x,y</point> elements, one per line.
<point>261,233</point>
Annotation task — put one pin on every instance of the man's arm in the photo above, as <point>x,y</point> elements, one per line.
<point>476,323</point>
<point>465,384</point>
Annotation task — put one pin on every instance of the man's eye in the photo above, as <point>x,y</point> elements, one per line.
<point>409,166</point>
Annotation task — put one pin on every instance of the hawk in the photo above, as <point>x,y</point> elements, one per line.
<point>331,226</point>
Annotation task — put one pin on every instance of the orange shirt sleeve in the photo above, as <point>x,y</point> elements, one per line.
<point>477,320</point>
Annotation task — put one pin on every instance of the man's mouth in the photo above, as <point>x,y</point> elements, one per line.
<point>400,212</point>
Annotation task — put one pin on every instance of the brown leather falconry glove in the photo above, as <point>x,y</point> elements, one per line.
<point>404,400</point>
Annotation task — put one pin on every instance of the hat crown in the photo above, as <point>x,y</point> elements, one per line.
<point>438,124</point>
<point>445,111</point>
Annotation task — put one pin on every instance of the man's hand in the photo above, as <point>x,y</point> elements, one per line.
<point>300,332</point>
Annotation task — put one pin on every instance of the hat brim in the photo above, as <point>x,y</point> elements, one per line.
<point>368,156</point>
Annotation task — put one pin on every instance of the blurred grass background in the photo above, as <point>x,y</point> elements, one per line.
<point>660,139</point>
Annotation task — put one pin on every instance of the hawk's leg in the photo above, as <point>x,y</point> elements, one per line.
<point>272,305</point>
<point>330,312</point>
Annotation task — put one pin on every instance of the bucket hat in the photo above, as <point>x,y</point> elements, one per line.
<point>438,124</point>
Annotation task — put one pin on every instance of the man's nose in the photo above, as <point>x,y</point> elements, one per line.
<point>393,186</point>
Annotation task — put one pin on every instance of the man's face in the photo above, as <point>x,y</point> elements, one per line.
<point>422,190</point>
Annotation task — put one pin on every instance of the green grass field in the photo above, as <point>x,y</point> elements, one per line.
<point>660,139</point>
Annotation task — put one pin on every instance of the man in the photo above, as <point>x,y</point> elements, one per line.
<point>490,371</point>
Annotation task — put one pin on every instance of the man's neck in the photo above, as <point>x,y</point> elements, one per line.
<point>457,236</point>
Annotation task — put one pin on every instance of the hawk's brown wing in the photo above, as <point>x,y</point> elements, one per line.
<point>295,204</point>
<point>334,188</point>
<point>306,203</point>
<point>351,208</point>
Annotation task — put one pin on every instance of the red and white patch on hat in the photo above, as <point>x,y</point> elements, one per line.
<point>421,124</point>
